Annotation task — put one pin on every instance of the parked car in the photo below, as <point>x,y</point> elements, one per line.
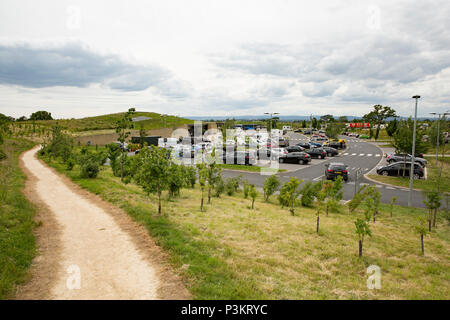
<point>405,157</point>
<point>335,145</point>
<point>308,132</point>
<point>298,131</point>
<point>122,146</point>
<point>240,157</point>
<point>304,145</point>
<point>316,144</point>
<point>331,152</point>
<point>317,153</point>
<point>295,157</point>
<point>295,149</point>
<point>401,169</point>
<point>335,169</point>
<point>364,136</point>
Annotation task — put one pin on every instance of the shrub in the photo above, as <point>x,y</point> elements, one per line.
<point>245,188</point>
<point>190,176</point>
<point>175,180</point>
<point>309,192</point>
<point>271,184</point>
<point>219,187</point>
<point>89,168</point>
<point>70,164</point>
<point>232,185</point>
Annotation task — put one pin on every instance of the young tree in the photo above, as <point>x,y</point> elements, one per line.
<point>202,178</point>
<point>362,229</point>
<point>142,134</point>
<point>422,230</point>
<point>219,187</point>
<point>253,194</point>
<point>403,138</point>
<point>433,202</point>
<point>213,175</point>
<point>122,129</point>
<point>357,200</point>
<point>153,171</point>
<point>289,193</point>
<point>378,115</point>
<point>391,205</point>
<point>271,184</point>
<point>245,188</point>
<point>321,196</point>
<point>190,176</point>
<point>175,180</point>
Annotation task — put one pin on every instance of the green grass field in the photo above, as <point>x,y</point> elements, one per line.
<point>17,242</point>
<point>109,121</point>
<point>230,251</point>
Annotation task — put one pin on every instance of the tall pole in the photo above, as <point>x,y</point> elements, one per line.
<point>411,169</point>
<point>437,139</point>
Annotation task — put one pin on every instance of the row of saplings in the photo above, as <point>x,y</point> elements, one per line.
<point>155,171</point>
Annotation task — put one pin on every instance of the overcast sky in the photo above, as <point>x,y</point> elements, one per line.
<point>207,57</point>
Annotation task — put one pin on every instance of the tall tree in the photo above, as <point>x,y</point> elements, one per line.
<point>122,129</point>
<point>391,128</point>
<point>378,115</point>
<point>41,115</point>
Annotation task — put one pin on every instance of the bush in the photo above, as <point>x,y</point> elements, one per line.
<point>70,164</point>
<point>232,185</point>
<point>271,184</point>
<point>219,187</point>
<point>245,188</point>
<point>190,176</point>
<point>175,180</point>
<point>89,168</point>
<point>309,192</point>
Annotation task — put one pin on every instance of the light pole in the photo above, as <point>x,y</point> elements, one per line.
<point>438,131</point>
<point>271,115</point>
<point>411,169</point>
<point>164,116</point>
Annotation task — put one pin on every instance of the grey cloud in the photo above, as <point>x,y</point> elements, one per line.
<point>76,66</point>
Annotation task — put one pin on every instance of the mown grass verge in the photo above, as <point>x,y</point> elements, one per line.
<point>17,242</point>
<point>233,252</point>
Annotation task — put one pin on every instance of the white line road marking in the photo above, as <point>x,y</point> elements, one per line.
<point>369,155</point>
<point>366,169</point>
<point>379,186</point>
<point>318,178</point>
<point>353,154</point>
<point>346,154</point>
<point>361,154</point>
<point>378,155</point>
<point>390,188</point>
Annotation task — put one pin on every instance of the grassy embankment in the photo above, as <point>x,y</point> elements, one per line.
<point>17,242</point>
<point>233,252</point>
<point>422,184</point>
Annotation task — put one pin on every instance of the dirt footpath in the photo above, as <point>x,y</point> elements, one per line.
<point>89,249</point>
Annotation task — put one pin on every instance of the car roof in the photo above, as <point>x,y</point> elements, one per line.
<point>337,164</point>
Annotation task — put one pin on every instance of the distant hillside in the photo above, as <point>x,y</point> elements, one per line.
<point>109,121</point>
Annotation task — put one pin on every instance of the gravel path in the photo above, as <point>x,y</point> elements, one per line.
<point>97,258</point>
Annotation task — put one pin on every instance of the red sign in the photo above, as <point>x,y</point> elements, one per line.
<point>360,125</point>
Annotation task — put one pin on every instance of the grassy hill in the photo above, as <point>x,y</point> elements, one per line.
<point>108,121</point>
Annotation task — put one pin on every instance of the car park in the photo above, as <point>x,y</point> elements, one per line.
<point>331,152</point>
<point>317,153</point>
<point>335,145</point>
<point>401,169</point>
<point>405,157</point>
<point>308,132</point>
<point>295,157</point>
<point>335,169</point>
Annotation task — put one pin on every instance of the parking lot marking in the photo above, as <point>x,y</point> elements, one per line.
<point>369,155</point>
<point>361,154</point>
<point>353,154</point>
<point>346,154</point>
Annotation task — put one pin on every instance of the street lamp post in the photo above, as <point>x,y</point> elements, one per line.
<point>271,116</point>
<point>438,131</point>
<point>411,169</point>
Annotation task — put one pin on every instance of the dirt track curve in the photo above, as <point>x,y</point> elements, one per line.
<point>89,249</point>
